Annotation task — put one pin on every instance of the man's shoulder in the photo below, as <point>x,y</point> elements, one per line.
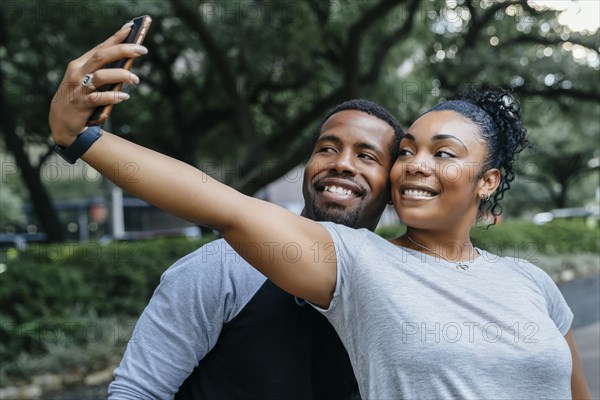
<point>212,260</point>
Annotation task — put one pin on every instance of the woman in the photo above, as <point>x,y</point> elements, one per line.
<point>425,315</point>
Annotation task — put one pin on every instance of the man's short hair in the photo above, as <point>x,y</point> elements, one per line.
<point>370,108</point>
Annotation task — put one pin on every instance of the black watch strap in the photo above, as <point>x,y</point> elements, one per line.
<point>83,142</point>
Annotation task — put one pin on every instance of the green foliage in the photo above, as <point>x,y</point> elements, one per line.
<point>526,240</point>
<point>11,206</point>
<point>515,238</point>
<point>245,82</point>
<point>391,231</point>
<point>75,305</point>
<point>12,192</point>
<point>80,346</point>
<point>559,162</point>
<point>53,295</point>
<point>567,266</point>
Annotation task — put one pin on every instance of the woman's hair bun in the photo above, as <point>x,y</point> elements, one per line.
<point>497,111</point>
<point>492,100</point>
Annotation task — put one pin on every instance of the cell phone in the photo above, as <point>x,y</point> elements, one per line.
<point>138,33</point>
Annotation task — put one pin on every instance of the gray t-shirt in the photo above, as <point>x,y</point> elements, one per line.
<point>416,327</point>
<point>183,320</point>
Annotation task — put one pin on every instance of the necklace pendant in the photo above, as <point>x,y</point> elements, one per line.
<point>461,266</point>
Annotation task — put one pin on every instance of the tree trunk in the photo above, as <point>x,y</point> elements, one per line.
<point>39,196</point>
<point>561,196</point>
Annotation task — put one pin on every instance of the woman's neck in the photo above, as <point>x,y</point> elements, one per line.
<point>451,246</point>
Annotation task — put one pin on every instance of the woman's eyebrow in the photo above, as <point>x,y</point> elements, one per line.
<point>409,137</point>
<point>437,138</point>
<point>448,137</point>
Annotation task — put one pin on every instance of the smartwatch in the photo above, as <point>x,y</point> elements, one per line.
<point>83,142</point>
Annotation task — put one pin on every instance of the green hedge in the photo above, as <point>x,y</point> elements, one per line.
<point>54,299</point>
<point>556,237</point>
<point>524,239</point>
<point>50,293</point>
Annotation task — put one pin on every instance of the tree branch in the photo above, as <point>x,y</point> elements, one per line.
<point>553,93</point>
<point>387,43</point>
<point>296,150</point>
<point>194,21</point>
<point>321,10</point>
<point>528,39</point>
<point>272,87</point>
<point>478,23</point>
<point>354,42</point>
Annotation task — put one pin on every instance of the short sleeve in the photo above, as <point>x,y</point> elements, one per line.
<point>558,309</point>
<point>183,320</point>
<point>348,243</point>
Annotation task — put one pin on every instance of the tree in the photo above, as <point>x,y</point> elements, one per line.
<point>564,148</point>
<point>34,50</point>
<point>259,74</point>
<point>17,76</point>
<point>554,70</point>
<point>237,86</point>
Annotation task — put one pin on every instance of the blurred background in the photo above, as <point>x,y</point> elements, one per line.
<point>237,87</point>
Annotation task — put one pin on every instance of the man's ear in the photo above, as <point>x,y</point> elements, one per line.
<point>489,183</point>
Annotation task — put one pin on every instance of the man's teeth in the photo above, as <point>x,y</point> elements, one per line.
<point>417,193</point>
<point>338,190</point>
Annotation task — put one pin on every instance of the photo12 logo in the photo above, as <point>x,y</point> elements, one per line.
<point>468,332</point>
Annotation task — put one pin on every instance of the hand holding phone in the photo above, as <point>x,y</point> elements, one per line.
<point>138,32</point>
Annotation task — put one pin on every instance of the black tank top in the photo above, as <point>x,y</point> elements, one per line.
<point>276,348</point>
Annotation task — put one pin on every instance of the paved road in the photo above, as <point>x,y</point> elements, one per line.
<point>583,296</point>
<point>587,340</point>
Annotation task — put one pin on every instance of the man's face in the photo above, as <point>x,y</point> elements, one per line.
<point>346,179</point>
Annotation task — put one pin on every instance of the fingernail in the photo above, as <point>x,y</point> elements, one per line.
<point>122,96</point>
<point>134,78</point>
<point>127,25</point>
<point>137,49</point>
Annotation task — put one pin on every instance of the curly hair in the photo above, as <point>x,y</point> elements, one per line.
<point>370,108</point>
<point>497,112</point>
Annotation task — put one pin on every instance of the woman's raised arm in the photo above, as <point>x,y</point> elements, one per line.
<point>292,251</point>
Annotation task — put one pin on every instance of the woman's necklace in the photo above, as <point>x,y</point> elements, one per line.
<point>459,265</point>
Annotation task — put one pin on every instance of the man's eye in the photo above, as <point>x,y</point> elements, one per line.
<point>404,152</point>
<point>366,156</point>
<point>444,154</point>
<point>326,149</point>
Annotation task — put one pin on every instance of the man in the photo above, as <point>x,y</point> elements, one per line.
<point>232,333</point>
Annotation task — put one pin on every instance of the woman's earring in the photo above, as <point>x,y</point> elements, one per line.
<point>391,203</point>
<point>484,196</point>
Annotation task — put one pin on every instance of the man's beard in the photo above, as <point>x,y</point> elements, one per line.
<point>336,213</point>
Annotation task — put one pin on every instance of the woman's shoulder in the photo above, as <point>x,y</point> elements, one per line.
<point>353,244</point>
<point>346,230</point>
<point>522,266</point>
<point>350,237</point>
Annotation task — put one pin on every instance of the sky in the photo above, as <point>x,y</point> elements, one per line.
<point>579,15</point>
